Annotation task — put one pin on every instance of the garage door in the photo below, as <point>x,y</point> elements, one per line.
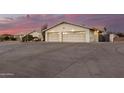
<point>53,37</point>
<point>77,36</point>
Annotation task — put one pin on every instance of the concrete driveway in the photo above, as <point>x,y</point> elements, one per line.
<point>62,60</point>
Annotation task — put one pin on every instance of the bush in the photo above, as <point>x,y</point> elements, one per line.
<point>27,38</point>
<point>13,39</point>
<point>1,38</point>
<point>7,37</point>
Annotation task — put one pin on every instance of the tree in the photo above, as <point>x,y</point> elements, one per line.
<point>1,38</point>
<point>105,29</point>
<point>6,38</point>
<point>13,38</point>
<point>45,26</point>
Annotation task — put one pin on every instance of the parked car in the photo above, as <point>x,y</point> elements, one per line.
<point>36,39</point>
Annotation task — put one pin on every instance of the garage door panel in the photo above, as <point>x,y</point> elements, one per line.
<point>74,36</point>
<point>77,36</point>
<point>53,36</point>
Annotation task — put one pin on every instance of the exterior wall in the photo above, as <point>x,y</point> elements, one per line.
<point>46,37</point>
<point>19,37</point>
<point>111,37</point>
<point>96,36</point>
<point>92,39</point>
<point>88,35</point>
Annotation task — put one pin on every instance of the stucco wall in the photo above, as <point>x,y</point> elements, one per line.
<point>94,36</point>
<point>92,39</point>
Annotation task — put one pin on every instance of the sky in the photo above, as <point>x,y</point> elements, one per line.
<point>22,23</point>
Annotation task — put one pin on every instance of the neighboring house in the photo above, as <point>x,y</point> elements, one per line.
<point>36,34</point>
<point>117,37</point>
<point>68,32</point>
<point>19,36</point>
<point>112,37</point>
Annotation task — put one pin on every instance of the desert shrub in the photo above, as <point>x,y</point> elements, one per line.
<point>27,38</point>
<point>13,39</point>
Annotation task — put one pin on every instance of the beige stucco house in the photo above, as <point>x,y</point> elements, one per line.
<point>68,32</point>
<point>19,36</point>
<point>36,34</point>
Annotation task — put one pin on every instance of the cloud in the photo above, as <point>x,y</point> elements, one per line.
<point>31,22</point>
<point>6,20</point>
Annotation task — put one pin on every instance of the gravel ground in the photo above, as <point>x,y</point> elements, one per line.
<point>61,60</point>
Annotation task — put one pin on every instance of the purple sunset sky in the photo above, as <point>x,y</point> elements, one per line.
<point>16,23</point>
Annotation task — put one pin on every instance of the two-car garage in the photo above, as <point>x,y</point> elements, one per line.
<point>67,32</point>
<point>68,36</point>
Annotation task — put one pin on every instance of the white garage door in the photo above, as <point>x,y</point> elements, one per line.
<point>77,36</point>
<point>53,37</point>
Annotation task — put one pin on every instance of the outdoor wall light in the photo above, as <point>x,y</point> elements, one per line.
<point>65,33</point>
<point>97,31</point>
<point>72,30</point>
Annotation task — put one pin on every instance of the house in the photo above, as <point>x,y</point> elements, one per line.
<point>36,34</point>
<point>111,37</point>
<point>20,35</point>
<point>68,32</point>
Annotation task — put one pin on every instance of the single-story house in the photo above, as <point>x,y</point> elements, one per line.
<point>111,37</point>
<point>19,36</point>
<point>68,32</point>
<point>36,34</point>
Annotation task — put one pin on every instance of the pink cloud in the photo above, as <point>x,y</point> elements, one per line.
<point>6,20</point>
<point>36,21</point>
